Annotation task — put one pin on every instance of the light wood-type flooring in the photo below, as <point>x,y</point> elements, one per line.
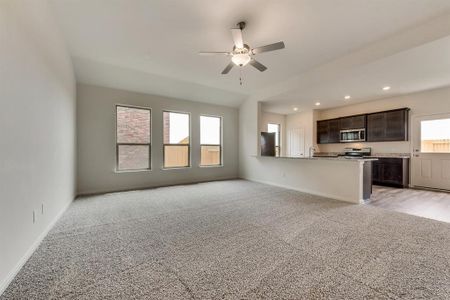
<point>423,203</point>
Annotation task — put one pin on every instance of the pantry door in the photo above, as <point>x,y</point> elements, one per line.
<point>296,142</point>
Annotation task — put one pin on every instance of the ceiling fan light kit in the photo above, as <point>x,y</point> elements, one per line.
<point>242,54</point>
<point>241,58</point>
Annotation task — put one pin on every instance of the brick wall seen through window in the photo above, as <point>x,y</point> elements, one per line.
<point>133,144</point>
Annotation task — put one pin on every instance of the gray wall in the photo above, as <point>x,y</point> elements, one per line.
<point>97,148</point>
<point>37,130</point>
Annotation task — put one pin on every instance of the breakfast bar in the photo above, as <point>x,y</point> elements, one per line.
<point>345,179</point>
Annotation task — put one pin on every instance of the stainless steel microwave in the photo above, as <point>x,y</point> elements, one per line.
<point>353,135</point>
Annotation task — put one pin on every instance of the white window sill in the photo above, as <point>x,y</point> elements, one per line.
<point>132,171</point>
<point>211,166</point>
<point>176,168</point>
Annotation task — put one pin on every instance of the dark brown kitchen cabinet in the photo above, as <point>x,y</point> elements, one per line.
<point>391,172</point>
<point>396,125</point>
<point>328,131</point>
<point>322,132</point>
<point>334,131</point>
<point>388,126</point>
<point>354,122</point>
<point>385,126</point>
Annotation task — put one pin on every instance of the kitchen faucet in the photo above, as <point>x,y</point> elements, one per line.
<point>312,149</point>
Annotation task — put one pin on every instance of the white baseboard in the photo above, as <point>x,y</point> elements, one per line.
<point>304,191</point>
<point>9,278</point>
<point>148,187</point>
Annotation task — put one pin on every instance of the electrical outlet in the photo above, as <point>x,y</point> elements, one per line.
<point>34,217</point>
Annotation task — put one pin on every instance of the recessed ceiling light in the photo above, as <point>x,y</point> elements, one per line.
<point>386,88</point>
<point>347,97</point>
<point>317,103</point>
<point>295,108</point>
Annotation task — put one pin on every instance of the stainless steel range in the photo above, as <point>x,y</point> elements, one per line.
<point>357,152</point>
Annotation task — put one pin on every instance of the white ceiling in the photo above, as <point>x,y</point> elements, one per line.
<point>417,69</point>
<point>151,47</point>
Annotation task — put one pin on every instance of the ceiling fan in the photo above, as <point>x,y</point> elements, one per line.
<point>242,54</point>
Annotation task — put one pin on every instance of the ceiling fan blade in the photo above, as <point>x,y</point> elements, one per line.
<point>228,68</point>
<point>237,37</point>
<point>267,48</point>
<point>214,53</point>
<point>258,65</point>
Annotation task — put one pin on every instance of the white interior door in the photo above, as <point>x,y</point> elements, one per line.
<point>430,161</point>
<point>296,142</point>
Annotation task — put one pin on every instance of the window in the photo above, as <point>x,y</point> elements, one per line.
<point>275,128</point>
<point>132,138</point>
<point>177,146</point>
<point>435,136</point>
<point>210,141</point>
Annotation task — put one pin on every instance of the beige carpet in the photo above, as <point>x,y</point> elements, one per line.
<point>235,240</point>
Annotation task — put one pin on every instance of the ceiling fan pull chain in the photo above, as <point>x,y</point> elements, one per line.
<point>240,75</point>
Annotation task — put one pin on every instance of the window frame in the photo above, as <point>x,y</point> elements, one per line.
<point>220,139</point>
<point>279,138</point>
<point>149,144</point>
<point>421,148</point>
<point>164,144</point>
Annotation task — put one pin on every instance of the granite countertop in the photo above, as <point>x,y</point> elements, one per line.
<point>375,155</point>
<point>391,155</point>
<point>338,156</point>
<point>334,158</point>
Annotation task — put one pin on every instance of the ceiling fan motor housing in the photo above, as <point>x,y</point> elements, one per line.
<point>244,50</point>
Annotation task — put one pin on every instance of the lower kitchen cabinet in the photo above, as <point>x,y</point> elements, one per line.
<point>391,172</point>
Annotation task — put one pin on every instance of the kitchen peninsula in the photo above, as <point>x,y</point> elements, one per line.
<point>345,179</point>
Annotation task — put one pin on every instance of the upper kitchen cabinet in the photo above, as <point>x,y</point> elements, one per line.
<point>388,126</point>
<point>328,131</point>
<point>334,133</point>
<point>322,132</point>
<point>385,126</point>
<point>353,122</point>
